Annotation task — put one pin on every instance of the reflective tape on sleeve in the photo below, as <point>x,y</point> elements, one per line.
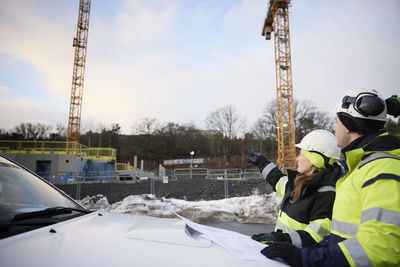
<point>281,226</point>
<point>320,230</point>
<point>327,188</point>
<point>296,240</point>
<point>350,229</point>
<point>357,252</point>
<point>382,215</point>
<point>281,185</point>
<point>267,169</point>
<point>375,156</point>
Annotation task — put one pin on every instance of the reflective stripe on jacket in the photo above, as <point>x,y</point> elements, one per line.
<point>309,219</point>
<point>366,213</point>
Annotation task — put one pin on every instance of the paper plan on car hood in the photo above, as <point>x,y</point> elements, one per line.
<point>240,245</point>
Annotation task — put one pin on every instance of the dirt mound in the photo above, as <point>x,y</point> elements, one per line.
<point>189,189</point>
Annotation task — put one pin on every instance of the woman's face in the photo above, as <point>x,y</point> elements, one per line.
<point>304,166</point>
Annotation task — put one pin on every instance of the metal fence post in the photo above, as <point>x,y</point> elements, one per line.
<point>152,189</point>
<point>78,189</point>
<point>226,192</point>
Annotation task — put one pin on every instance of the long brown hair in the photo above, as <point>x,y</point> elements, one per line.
<point>300,180</point>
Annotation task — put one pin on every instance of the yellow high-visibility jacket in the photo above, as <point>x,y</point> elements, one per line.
<point>366,213</point>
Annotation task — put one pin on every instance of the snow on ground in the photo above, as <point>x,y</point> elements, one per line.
<point>251,209</point>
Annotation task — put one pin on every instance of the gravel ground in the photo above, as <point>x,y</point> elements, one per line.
<point>190,189</point>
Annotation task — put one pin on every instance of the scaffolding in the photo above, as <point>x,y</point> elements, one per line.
<point>57,148</point>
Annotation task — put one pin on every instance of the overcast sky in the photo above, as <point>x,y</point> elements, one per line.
<point>179,60</point>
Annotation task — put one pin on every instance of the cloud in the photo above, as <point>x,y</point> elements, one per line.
<point>24,110</point>
<point>338,48</point>
<point>5,90</point>
<point>243,17</point>
<point>143,21</point>
<point>42,38</point>
<point>167,84</point>
<point>125,94</point>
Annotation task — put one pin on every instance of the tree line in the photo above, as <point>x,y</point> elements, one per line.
<point>223,144</point>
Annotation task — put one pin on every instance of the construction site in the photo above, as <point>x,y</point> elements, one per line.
<point>157,165</point>
<point>70,161</point>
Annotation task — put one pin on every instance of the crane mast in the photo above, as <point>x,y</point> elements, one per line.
<point>80,44</point>
<point>277,21</point>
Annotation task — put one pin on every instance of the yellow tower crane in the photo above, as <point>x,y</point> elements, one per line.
<point>80,44</point>
<point>277,21</point>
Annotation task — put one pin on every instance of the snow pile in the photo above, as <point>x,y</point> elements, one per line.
<point>98,202</point>
<point>251,209</point>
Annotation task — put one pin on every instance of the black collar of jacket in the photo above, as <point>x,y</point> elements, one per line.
<point>328,177</point>
<point>374,142</point>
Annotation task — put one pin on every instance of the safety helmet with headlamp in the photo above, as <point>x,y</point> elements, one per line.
<point>364,104</point>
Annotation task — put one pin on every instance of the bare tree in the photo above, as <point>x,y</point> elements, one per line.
<point>61,129</point>
<point>228,123</point>
<point>4,134</point>
<point>260,132</point>
<point>225,120</point>
<point>145,126</point>
<point>307,118</point>
<point>59,134</point>
<point>30,131</point>
<point>267,122</point>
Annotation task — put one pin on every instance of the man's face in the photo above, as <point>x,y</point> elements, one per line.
<point>341,133</point>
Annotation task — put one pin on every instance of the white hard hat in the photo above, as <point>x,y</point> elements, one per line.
<point>364,104</point>
<point>321,141</point>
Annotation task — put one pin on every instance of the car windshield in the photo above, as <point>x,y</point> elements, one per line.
<point>21,191</point>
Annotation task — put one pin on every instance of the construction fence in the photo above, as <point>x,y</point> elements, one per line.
<point>137,176</point>
<point>225,175</point>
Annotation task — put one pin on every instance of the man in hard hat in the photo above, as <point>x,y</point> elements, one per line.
<point>366,213</point>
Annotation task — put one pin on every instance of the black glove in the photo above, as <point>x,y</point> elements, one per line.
<point>284,250</point>
<point>257,159</point>
<point>268,238</point>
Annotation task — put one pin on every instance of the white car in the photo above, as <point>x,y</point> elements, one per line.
<point>42,226</point>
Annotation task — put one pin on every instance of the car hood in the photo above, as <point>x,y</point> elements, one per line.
<point>110,239</point>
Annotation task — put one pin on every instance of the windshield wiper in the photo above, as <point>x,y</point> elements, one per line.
<point>47,212</point>
<point>27,221</point>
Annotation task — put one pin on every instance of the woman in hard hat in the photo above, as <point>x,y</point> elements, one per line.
<point>366,212</point>
<point>308,193</point>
